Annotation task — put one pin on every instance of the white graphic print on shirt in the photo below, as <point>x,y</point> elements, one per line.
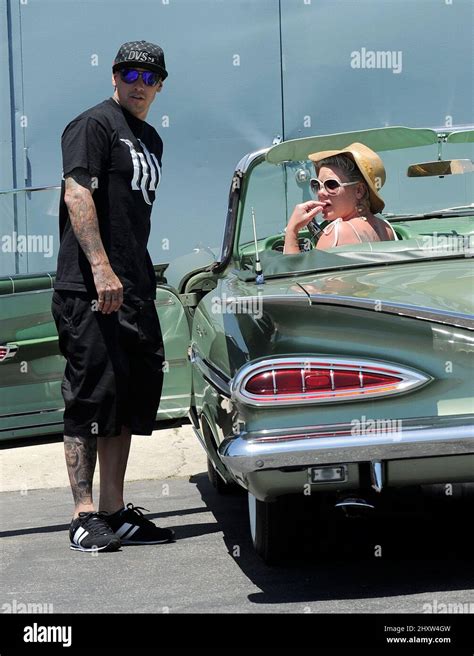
<point>146,170</point>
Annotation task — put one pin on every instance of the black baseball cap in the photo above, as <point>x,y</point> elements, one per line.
<point>144,55</point>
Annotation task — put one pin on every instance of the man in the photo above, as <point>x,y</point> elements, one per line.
<point>103,303</point>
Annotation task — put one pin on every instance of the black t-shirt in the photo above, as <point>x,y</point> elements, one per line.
<point>123,156</point>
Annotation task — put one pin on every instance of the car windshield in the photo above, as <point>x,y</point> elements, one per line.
<point>271,191</point>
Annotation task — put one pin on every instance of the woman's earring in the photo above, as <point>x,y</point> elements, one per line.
<point>362,206</point>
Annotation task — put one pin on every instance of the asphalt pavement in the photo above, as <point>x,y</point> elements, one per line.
<point>398,564</point>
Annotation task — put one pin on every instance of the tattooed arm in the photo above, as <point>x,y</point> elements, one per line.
<point>83,217</point>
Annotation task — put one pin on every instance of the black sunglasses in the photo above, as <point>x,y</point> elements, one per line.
<point>331,185</point>
<point>131,75</point>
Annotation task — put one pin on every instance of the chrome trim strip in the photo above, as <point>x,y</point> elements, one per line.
<point>333,430</point>
<point>42,412</point>
<point>280,299</point>
<point>167,301</point>
<point>28,427</point>
<point>250,159</point>
<point>31,412</point>
<point>215,377</point>
<point>28,189</point>
<point>410,379</point>
<point>335,444</point>
<point>161,416</point>
<point>175,396</point>
<point>377,475</point>
<point>30,291</point>
<point>198,435</point>
<point>284,299</point>
<point>178,362</point>
<point>458,319</point>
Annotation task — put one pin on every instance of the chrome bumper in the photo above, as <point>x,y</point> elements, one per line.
<point>338,443</point>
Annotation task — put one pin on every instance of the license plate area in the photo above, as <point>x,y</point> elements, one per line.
<point>328,474</point>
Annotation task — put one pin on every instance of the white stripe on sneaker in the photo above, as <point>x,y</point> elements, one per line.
<point>80,531</point>
<point>84,535</point>
<point>123,529</point>
<point>130,533</point>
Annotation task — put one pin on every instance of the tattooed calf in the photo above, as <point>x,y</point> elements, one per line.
<point>81,457</point>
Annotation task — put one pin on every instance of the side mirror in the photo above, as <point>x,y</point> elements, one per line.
<point>441,167</point>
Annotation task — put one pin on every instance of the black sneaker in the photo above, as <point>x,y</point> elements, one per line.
<point>132,527</point>
<point>89,532</point>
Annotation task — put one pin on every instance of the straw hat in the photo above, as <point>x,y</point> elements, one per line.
<point>369,164</point>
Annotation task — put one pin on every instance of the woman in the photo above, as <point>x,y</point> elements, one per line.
<point>346,185</point>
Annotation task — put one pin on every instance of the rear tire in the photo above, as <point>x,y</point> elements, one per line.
<point>221,486</point>
<point>270,529</point>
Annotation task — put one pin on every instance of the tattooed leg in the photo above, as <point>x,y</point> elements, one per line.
<point>81,457</point>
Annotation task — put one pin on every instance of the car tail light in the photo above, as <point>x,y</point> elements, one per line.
<point>7,351</point>
<point>292,381</point>
<point>298,381</point>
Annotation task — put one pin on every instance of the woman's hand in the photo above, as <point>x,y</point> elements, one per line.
<point>302,215</point>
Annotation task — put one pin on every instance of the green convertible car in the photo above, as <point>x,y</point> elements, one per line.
<point>345,371</point>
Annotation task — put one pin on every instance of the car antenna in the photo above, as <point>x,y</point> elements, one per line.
<point>259,279</point>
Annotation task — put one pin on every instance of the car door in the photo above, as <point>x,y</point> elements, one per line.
<point>176,394</point>
<point>31,367</point>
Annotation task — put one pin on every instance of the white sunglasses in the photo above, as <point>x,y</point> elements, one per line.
<point>331,185</point>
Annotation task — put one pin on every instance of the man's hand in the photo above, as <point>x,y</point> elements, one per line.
<point>109,288</point>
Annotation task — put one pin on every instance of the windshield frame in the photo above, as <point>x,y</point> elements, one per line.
<point>234,207</point>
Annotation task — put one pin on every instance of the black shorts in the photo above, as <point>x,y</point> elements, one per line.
<point>114,365</point>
